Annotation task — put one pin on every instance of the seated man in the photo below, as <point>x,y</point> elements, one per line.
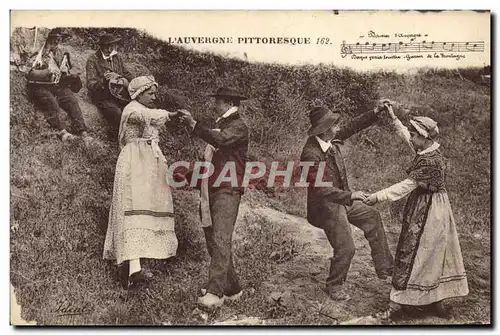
<point>48,87</point>
<point>102,67</point>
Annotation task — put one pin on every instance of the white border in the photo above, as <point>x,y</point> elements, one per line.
<point>188,4</point>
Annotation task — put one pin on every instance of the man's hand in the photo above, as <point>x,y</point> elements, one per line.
<point>110,75</point>
<point>178,177</point>
<point>358,195</point>
<point>186,117</point>
<point>371,200</point>
<point>382,105</point>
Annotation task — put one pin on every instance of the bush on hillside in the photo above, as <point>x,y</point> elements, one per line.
<point>280,96</point>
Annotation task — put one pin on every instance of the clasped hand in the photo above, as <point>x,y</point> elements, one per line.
<point>369,199</point>
<point>385,107</point>
<point>185,117</point>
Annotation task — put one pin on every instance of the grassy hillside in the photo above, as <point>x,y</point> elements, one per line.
<point>61,193</point>
<point>279,95</point>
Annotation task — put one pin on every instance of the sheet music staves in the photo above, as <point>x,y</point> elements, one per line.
<point>410,47</point>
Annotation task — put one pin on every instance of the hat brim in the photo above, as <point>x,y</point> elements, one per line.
<point>62,35</point>
<point>118,39</point>
<point>323,126</point>
<point>230,96</point>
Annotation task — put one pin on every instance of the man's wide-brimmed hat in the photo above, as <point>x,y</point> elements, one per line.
<point>228,92</point>
<point>58,32</point>
<point>108,38</point>
<point>321,120</point>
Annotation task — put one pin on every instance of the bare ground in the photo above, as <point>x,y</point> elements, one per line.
<point>297,284</point>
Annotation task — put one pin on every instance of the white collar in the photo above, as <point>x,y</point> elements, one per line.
<point>323,144</point>
<point>110,55</point>
<point>229,112</point>
<point>433,147</point>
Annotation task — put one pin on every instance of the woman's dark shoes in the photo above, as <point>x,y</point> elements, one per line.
<point>398,312</point>
<point>136,279</point>
<point>397,315</point>
<point>139,278</point>
<point>440,310</point>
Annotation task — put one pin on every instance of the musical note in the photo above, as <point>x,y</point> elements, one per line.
<point>428,46</point>
<point>446,44</point>
<point>370,47</point>
<point>474,46</point>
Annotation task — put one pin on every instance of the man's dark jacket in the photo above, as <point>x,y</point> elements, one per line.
<point>96,67</point>
<point>322,202</point>
<point>231,144</point>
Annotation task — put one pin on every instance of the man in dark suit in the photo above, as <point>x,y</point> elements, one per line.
<point>332,208</point>
<point>103,66</point>
<point>227,150</point>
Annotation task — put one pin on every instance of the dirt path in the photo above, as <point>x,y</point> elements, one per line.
<point>299,282</point>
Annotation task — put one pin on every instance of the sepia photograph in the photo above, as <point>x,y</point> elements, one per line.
<point>250,168</point>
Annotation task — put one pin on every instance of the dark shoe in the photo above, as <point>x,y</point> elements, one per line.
<point>396,312</point>
<point>136,279</point>
<point>398,315</point>
<point>399,312</point>
<point>440,310</point>
<point>337,293</point>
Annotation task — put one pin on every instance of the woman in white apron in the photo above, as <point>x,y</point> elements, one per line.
<point>141,218</point>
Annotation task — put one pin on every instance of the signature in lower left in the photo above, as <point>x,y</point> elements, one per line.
<point>66,308</point>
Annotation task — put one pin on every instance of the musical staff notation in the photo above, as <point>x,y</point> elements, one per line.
<point>410,47</point>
